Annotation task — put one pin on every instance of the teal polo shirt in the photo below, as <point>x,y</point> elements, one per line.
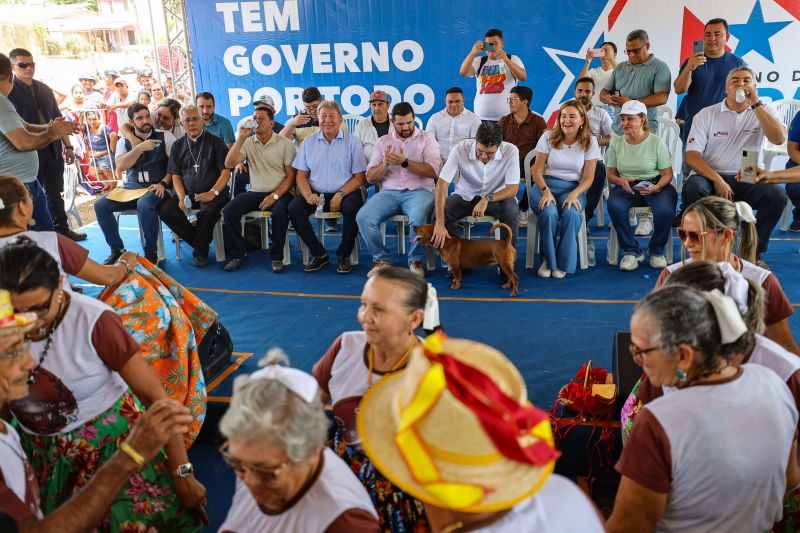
<point>639,81</point>
<point>222,128</point>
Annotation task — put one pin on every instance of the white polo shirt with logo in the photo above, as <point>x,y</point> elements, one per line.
<point>477,178</point>
<point>719,135</point>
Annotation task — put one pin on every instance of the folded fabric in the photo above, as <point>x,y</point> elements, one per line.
<point>168,322</point>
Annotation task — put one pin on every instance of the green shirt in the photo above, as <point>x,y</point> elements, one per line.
<point>640,161</point>
<point>640,81</point>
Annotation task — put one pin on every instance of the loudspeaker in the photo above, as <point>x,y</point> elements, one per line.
<point>626,372</point>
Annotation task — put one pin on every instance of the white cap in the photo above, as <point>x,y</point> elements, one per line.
<point>264,100</point>
<point>633,107</point>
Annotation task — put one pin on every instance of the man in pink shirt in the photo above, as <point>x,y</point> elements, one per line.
<point>405,164</point>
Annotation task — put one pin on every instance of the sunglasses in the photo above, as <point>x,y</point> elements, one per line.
<point>26,65</point>
<point>267,476</point>
<point>694,236</point>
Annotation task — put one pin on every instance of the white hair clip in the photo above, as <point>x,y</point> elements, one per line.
<point>736,286</point>
<point>731,325</point>
<point>745,212</point>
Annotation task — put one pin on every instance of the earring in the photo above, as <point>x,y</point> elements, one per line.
<point>681,375</point>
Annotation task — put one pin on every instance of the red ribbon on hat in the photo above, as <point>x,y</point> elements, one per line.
<point>511,426</point>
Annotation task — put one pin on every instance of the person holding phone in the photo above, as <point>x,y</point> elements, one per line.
<point>495,74</point>
<point>607,54</point>
<point>145,167</point>
<point>639,166</point>
<point>702,75</point>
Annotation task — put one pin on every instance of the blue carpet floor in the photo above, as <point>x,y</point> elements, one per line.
<point>549,331</point>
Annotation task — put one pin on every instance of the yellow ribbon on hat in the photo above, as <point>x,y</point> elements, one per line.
<point>417,458</point>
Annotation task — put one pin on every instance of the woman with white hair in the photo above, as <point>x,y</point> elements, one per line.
<point>684,467</point>
<point>287,479</point>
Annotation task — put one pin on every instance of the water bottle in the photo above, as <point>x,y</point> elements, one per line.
<point>321,204</point>
<point>740,95</point>
<point>187,202</point>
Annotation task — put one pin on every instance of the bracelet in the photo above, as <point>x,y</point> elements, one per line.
<point>69,148</point>
<point>545,189</point>
<point>127,265</point>
<point>128,450</point>
<point>164,184</point>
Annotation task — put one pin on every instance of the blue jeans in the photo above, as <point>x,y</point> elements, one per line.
<point>41,214</point>
<point>147,209</point>
<point>554,221</point>
<point>416,204</point>
<point>595,190</point>
<point>663,204</point>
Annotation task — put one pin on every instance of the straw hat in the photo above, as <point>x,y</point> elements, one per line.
<point>426,428</point>
<point>11,323</point>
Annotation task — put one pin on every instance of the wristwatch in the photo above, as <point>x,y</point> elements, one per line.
<point>490,197</point>
<point>339,192</point>
<point>215,191</point>
<point>183,470</point>
<point>275,196</point>
<point>757,104</point>
<point>404,164</point>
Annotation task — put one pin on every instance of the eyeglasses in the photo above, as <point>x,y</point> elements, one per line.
<point>694,236</point>
<point>41,309</point>
<point>637,352</point>
<point>267,476</point>
<point>510,100</point>
<point>632,51</point>
<point>25,65</point>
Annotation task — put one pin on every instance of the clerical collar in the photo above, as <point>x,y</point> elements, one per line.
<point>196,138</point>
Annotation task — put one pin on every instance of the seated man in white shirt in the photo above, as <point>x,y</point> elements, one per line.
<point>405,163</point>
<point>454,123</point>
<point>375,126</point>
<point>489,169</point>
<point>714,148</point>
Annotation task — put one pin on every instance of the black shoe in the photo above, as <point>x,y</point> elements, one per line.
<point>235,263</point>
<point>277,265</point>
<point>795,225</point>
<point>74,235</point>
<point>344,266</point>
<point>317,263</point>
<point>200,261</point>
<point>114,257</point>
<point>151,255</point>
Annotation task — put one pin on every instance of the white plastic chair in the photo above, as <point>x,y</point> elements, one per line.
<point>787,108</point>
<point>217,237</point>
<point>160,250</point>
<point>263,218</point>
<point>321,218</point>
<point>670,133</point>
<point>663,110</point>
<point>401,221</point>
<point>352,121</point>
<point>613,240</point>
<point>532,239</point>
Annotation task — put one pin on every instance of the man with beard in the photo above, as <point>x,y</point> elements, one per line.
<point>375,126</point>
<point>213,123</point>
<point>600,126</point>
<point>405,163</point>
<point>200,179</point>
<point>145,167</point>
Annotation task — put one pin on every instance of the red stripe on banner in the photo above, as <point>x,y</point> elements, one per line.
<point>792,6</point>
<point>551,122</point>
<point>693,29</point>
<point>615,11</point>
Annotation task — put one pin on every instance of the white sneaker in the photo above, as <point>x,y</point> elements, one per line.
<point>544,272</point>
<point>645,225</point>
<point>658,261</point>
<point>629,262</point>
<point>522,219</point>
<point>558,274</point>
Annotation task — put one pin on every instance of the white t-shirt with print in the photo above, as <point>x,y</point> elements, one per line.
<point>493,84</point>
<point>567,162</point>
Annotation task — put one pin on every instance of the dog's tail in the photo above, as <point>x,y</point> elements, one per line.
<point>505,227</point>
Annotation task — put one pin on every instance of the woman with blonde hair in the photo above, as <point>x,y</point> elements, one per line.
<point>708,231</point>
<point>566,157</point>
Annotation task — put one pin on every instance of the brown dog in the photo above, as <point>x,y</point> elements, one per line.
<point>461,253</point>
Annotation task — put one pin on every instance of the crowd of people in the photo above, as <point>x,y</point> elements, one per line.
<point>430,433</point>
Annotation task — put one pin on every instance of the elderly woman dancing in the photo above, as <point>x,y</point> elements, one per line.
<point>287,480</point>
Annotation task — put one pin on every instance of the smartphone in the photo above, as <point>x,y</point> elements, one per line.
<point>598,52</point>
<point>698,47</point>
<point>488,47</point>
<point>748,165</point>
<point>640,185</point>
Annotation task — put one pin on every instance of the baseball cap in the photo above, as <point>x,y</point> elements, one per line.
<point>633,107</point>
<point>379,96</point>
<point>111,73</point>
<point>87,76</point>
<point>264,100</point>
<point>120,81</point>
